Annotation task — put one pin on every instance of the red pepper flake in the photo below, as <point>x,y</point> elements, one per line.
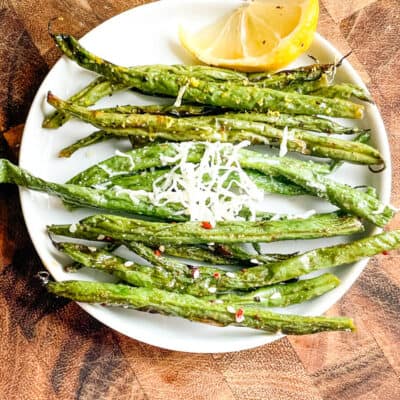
<point>239,315</point>
<point>216,275</point>
<point>385,252</point>
<point>108,239</point>
<point>206,225</point>
<point>157,252</point>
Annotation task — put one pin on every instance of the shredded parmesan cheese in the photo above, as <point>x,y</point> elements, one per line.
<point>203,189</point>
<point>231,309</point>
<point>72,228</point>
<point>109,171</point>
<point>215,189</point>
<point>283,147</point>
<point>332,71</point>
<point>134,195</point>
<point>182,90</point>
<point>196,273</point>
<point>275,296</point>
<point>305,260</point>
<point>121,154</point>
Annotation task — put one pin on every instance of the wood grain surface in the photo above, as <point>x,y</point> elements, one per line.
<point>51,349</point>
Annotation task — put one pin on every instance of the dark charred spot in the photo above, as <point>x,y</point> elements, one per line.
<point>223,251</point>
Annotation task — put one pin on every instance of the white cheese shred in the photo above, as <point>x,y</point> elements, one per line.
<point>283,147</point>
<point>121,154</point>
<point>215,189</point>
<point>275,296</point>
<point>207,190</point>
<point>181,93</point>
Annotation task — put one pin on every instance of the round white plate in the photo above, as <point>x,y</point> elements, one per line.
<point>148,35</point>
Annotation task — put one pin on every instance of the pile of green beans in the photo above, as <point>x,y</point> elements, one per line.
<point>235,284</point>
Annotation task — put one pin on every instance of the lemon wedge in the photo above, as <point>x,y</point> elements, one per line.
<point>260,35</point>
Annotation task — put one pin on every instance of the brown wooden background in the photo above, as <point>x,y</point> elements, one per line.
<point>51,349</point>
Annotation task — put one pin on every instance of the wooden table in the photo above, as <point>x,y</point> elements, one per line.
<point>51,349</point>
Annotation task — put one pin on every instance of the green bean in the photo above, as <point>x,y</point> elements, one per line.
<point>280,271</point>
<point>94,138</point>
<point>156,80</point>
<point>361,138</point>
<point>167,154</point>
<point>182,281</point>
<point>302,174</point>
<point>195,309</point>
<point>224,129</point>
<point>97,89</point>
<point>219,254</point>
<point>134,230</point>
<point>342,91</point>
<point>268,184</point>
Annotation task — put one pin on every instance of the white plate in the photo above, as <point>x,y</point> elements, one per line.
<point>147,35</point>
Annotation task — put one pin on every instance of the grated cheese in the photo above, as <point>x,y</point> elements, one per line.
<point>304,260</point>
<point>283,149</point>
<point>332,72</point>
<point>200,188</point>
<point>73,228</point>
<point>109,171</point>
<point>182,90</point>
<point>121,154</point>
<point>205,190</point>
<point>134,195</point>
<point>275,296</point>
